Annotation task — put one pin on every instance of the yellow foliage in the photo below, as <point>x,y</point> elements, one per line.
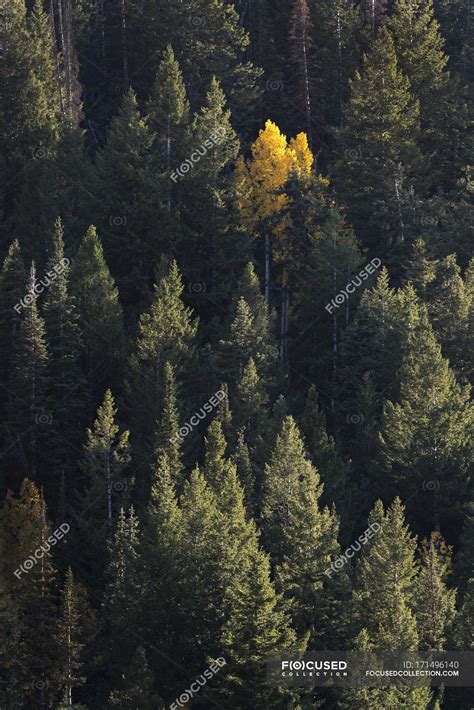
<point>260,182</point>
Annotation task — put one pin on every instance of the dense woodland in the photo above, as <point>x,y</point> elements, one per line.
<point>216,371</point>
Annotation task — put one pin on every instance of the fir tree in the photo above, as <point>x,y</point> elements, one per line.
<point>64,346</point>
<point>168,436</point>
<point>70,636</point>
<point>28,414</point>
<point>12,291</point>
<point>104,485</point>
<point>165,334</point>
<point>435,604</point>
<point>378,153</point>
<point>424,438</point>
<point>100,315</point>
<point>126,190</point>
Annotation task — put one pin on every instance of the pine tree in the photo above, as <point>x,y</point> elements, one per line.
<point>383,599</point>
<point>378,153</point>
<point>161,574</point>
<point>250,402</point>
<point>29,576</point>
<point>165,334</point>
<point>425,435</point>
<point>435,604</point>
<point>104,488</point>
<point>421,57</point>
<point>100,315</point>
<point>421,270</point>
<point>12,291</point>
<point>122,596</point>
<point>127,191</point>
<point>449,306</point>
<point>71,636</point>
<point>64,346</point>
<point>28,413</point>
<point>322,449</point>
<point>168,113</point>
<point>168,436</point>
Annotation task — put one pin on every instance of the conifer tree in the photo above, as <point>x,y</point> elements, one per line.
<point>168,113</point>
<point>378,153</point>
<point>161,568</point>
<point>126,192</point>
<point>104,488</point>
<point>64,346</point>
<point>250,402</point>
<point>449,306</point>
<point>100,315</point>
<point>421,57</point>
<point>168,433</point>
<point>71,635</point>
<point>28,415</point>
<point>421,270</point>
<point>383,599</point>
<point>425,435</point>
<point>165,334</point>
<point>435,604</point>
<point>29,576</point>
<point>12,291</point>
<point>122,595</point>
<point>322,449</point>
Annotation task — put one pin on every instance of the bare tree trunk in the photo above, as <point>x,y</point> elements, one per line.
<point>124,42</point>
<point>267,268</point>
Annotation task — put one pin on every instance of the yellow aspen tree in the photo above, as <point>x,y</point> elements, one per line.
<point>261,180</point>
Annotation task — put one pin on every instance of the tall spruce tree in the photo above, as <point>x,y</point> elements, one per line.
<point>28,415</point>
<point>424,442</point>
<point>378,154</point>
<point>101,490</point>
<point>100,316</point>
<point>165,334</point>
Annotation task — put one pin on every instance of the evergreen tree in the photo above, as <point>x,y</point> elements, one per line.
<point>12,291</point>
<point>100,315</point>
<point>383,598</point>
<point>322,449</point>
<point>165,334</point>
<point>301,43</point>
<point>64,346</point>
<point>435,604</point>
<point>29,579</point>
<point>126,190</point>
<point>421,270</point>
<point>71,634</point>
<point>104,488</point>
<point>28,415</point>
<point>122,596</point>
<point>378,154</point>
<point>168,437</point>
<point>29,101</point>
<point>161,568</point>
<point>425,435</point>
<point>422,60</point>
<point>449,306</point>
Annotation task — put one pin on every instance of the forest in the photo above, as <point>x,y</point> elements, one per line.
<point>236,348</point>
